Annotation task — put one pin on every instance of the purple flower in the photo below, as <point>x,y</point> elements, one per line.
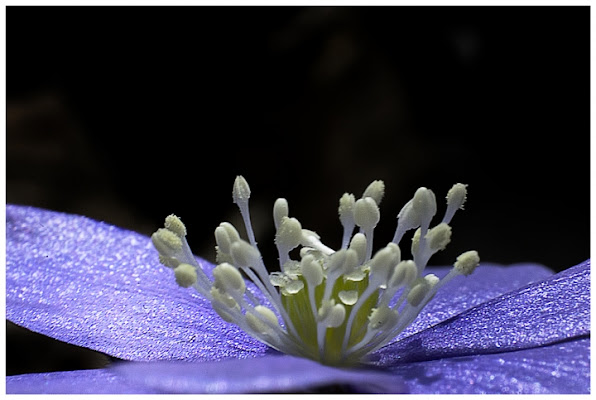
<point>514,329</point>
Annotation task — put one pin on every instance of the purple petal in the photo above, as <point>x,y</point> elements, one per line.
<point>269,374</point>
<point>91,381</point>
<point>558,368</point>
<point>550,311</point>
<point>98,286</point>
<point>462,293</point>
<point>94,285</point>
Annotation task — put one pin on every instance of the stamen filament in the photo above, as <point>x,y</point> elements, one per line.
<point>368,233</point>
<point>272,295</point>
<point>365,295</point>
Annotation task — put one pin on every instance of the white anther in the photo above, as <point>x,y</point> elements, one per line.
<point>228,278</point>
<point>335,261</point>
<point>396,252</point>
<point>241,190</point>
<point>289,233</point>
<point>358,244</point>
<point>418,292</point>
<point>166,242</point>
<point>174,224</point>
<point>257,324</point>
<point>346,217</point>
<point>425,203</point>
<point>456,197</point>
<point>404,274</point>
<point>169,262</point>
<point>422,207</point>
<point>222,257</point>
<point>332,315</point>
<point>408,219</point>
<point>467,262</point>
<point>382,263</point>
<point>376,190</point>
<point>351,261</point>
<point>223,304</point>
<point>366,213</point>
<point>431,279</point>
<point>243,254</point>
<point>224,298</point>
<point>421,287</point>
<point>346,209</point>
<point>381,317</point>
<point>348,297</point>
<point>439,237</point>
<point>280,210</point>
<point>223,239</point>
<point>312,271</point>
<point>186,275</point>
<point>232,232</point>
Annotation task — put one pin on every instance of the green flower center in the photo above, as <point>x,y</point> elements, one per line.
<point>334,307</point>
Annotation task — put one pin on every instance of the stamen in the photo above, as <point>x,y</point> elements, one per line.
<point>280,210</point>
<point>359,245</point>
<point>467,262</point>
<point>376,190</point>
<point>227,277</point>
<point>419,290</point>
<point>381,317</point>
<point>174,224</point>
<point>367,216</point>
<point>331,306</point>
<point>288,237</point>
<point>166,242</point>
<point>243,254</point>
<point>439,237</point>
<point>331,315</point>
<point>311,239</point>
<point>456,197</point>
<point>186,275</point>
<point>346,216</point>
<point>255,322</point>
<point>240,195</point>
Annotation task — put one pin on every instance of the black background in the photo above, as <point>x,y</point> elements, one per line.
<point>127,114</point>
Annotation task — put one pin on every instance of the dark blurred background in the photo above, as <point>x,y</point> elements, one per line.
<point>127,114</point>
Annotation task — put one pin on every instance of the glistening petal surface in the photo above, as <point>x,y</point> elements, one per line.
<point>464,292</point>
<point>91,381</point>
<point>98,286</point>
<point>559,368</point>
<point>553,310</point>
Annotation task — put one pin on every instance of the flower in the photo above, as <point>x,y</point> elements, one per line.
<point>337,307</point>
<point>515,329</point>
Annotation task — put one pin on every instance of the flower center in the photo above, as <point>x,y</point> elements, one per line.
<point>334,307</point>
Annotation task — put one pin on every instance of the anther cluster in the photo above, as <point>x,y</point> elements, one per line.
<point>331,306</point>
